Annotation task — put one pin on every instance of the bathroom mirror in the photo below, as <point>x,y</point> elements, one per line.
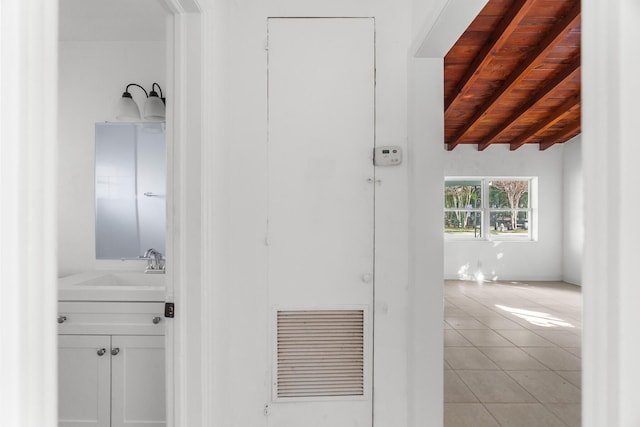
<point>130,189</point>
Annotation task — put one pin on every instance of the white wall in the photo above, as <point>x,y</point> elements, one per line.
<point>425,161</point>
<point>572,212</point>
<point>92,77</point>
<point>426,174</point>
<point>535,260</point>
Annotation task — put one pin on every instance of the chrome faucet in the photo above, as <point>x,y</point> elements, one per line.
<point>155,263</point>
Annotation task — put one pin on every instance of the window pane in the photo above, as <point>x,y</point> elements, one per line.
<point>509,223</point>
<point>512,194</point>
<point>461,194</point>
<point>463,224</point>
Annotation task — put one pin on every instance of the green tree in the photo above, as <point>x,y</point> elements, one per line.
<point>514,190</point>
<point>459,197</point>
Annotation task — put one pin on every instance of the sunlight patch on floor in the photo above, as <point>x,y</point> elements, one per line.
<point>536,317</point>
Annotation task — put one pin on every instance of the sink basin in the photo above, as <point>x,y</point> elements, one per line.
<point>112,286</point>
<point>122,279</point>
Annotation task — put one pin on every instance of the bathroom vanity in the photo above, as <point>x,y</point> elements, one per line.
<point>111,357</point>
<point>111,324</point>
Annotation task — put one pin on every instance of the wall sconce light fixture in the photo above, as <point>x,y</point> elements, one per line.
<point>154,107</point>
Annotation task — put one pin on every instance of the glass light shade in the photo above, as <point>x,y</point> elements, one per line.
<point>154,109</point>
<point>128,110</point>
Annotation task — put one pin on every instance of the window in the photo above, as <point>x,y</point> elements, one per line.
<point>488,208</point>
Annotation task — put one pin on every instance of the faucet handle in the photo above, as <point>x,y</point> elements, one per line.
<point>155,262</point>
<point>149,253</point>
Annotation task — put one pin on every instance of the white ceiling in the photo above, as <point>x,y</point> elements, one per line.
<point>112,20</point>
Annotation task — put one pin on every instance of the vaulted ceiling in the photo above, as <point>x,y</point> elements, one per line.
<point>513,77</point>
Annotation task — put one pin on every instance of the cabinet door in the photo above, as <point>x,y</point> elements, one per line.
<point>84,381</point>
<point>138,381</point>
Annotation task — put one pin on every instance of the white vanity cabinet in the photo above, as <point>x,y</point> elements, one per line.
<point>111,364</point>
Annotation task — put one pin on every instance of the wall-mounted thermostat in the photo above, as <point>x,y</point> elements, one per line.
<point>389,155</point>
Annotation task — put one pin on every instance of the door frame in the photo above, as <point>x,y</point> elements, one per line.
<point>28,195</point>
<point>184,77</point>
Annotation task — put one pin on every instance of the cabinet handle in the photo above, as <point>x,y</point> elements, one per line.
<point>156,320</point>
<point>115,351</point>
<point>101,351</point>
<point>62,319</point>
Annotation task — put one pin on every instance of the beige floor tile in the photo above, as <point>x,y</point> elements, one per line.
<point>547,386</point>
<point>576,321</point>
<point>525,338</point>
<point>468,358</point>
<point>576,351</point>
<point>495,387</point>
<point>520,321</point>
<point>559,322</point>
<point>574,377</point>
<point>480,311</point>
<point>485,338</point>
<point>447,326</point>
<point>498,322</point>
<point>467,415</point>
<point>561,338</point>
<point>524,415</point>
<point>465,323</point>
<point>512,359</point>
<point>460,301</point>
<point>541,365</point>
<point>517,307</point>
<point>570,413</point>
<point>455,312</point>
<point>455,390</point>
<point>452,338</point>
<point>539,318</point>
<point>555,358</point>
<point>578,327</point>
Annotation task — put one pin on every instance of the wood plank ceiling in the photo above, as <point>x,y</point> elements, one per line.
<point>513,77</point>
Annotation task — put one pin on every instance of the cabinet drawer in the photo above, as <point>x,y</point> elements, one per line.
<point>108,318</point>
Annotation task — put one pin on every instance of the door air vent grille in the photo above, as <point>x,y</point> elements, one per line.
<point>320,353</point>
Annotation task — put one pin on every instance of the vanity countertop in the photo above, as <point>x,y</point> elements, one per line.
<point>112,286</point>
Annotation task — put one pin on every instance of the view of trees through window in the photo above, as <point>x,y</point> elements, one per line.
<point>482,208</point>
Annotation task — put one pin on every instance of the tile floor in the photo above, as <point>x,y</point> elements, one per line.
<point>512,355</point>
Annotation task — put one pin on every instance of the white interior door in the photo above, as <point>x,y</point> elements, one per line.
<point>321,75</point>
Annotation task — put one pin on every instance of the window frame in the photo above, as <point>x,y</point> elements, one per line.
<point>486,211</point>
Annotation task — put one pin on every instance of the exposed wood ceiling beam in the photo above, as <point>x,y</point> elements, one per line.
<point>555,116</point>
<point>496,41</point>
<point>563,136</point>
<point>552,38</point>
<point>541,95</point>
